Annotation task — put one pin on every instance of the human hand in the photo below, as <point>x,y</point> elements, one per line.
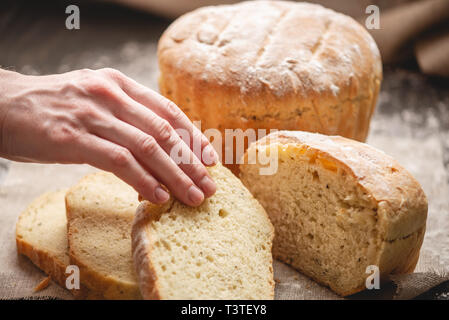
<point>109,121</point>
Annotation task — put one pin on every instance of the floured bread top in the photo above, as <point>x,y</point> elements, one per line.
<point>285,47</point>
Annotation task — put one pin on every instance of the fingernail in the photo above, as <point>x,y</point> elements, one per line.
<point>208,186</point>
<point>209,156</point>
<point>195,195</point>
<point>161,195</point>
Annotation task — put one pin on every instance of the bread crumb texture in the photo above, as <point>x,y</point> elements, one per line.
<point>338,206</point>
<point>219,250</point>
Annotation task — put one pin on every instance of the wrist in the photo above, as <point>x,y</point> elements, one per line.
<point>9,86</point>
<point>6,76</point>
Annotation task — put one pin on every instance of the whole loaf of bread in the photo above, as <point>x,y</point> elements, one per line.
<point>272,65</point>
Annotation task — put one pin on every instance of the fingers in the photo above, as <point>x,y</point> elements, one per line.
<point>108,156</point>
<point>167,110</point>
<point>189,182</point>
<point>147,140</point>
<point>152,126</point>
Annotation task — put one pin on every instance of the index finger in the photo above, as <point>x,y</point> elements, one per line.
<point>168,110</point>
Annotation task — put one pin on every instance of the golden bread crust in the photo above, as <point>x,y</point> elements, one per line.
<point>140,236</point>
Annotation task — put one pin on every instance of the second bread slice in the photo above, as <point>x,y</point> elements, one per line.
<point>41,235</point>
<point>100,210</point>
<point>220,250</point>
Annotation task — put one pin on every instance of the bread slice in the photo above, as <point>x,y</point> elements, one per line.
<point>100,210</point>
<point>337,206</point>
<point>41,235</point>
<point>219,250</point>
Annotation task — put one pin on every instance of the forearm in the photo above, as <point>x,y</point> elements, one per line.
<point>8,79</point>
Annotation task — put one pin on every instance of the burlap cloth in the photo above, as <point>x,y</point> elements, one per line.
<point>421,155</point>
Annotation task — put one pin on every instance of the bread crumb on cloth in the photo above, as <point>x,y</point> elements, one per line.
<point>42,285</point>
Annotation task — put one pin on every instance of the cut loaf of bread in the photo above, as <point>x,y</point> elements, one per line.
<point>41,235</point>
<point>271,65</point>
<point>219,250</point>
<point>100,210</point>
<point>338,206</point>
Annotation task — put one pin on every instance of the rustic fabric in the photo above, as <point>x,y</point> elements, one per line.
<point>409,286</point>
